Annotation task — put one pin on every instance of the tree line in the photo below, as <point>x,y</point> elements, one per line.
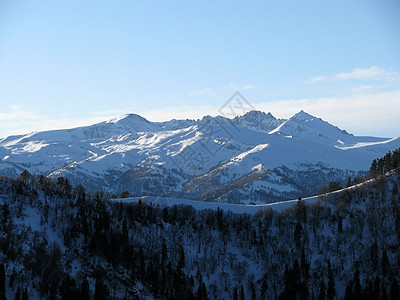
<point>380,166</point>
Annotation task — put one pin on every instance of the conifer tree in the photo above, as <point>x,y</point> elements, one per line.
<point>2,282</point>
<point>18,294</point>
<point>322,293</point>
<point>348,294</point>
<point>373,170</point>
<point>5,216</point>
<point>164,254</point>
<point>340,225</point>
<point>264,288</point>
<point>25,295</point>
<point>181,262</point>
<point>85,290</point>
<point>348,183</point>
<point>357,283</point>
<point>385,263</point>
<point>394,290</point>
<point>53,291</point>
<point>331,292</point>
<point>201,293</point>
<point>98,290</point>
<point>377,288</point>
<point>242,297</point>
<point>235,295</point>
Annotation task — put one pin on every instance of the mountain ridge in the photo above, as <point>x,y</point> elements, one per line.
<point>130,153</point>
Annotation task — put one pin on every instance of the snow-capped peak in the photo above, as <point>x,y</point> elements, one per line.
<point>136,122</point>
<point>128,118</point>
<point>257,120</point>
<point>305,126</point>
<point>302,116</point>
<point>209,157</point>
<point>256,114</point>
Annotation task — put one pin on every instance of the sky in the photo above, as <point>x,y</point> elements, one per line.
<point>72,63</point>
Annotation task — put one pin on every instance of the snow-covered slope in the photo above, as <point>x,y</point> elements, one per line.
<point>253,158</point>
<point>240,208</point>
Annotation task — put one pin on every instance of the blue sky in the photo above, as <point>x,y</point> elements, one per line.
<point>72,63</point>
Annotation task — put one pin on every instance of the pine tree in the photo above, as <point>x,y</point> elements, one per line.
<point>18,294</point>
<point>331,292</point>
<point>264,288</point>
<point>235,295</point>
<point>297,235</point>
<point>85,290</point>
<point>374,255</point>
<point>384,292</point>
<point>348,294</point>
<point>242,297</point>
<point>357,284</point>
<point>253,291</point>
<point>291,284</point>
<point>181,262</point>
<point>2,282</point>
<point>164,254</point>
<point>387,162</point>
<point>98,290</point>
<point>24,177</point>
<point>385,263</point>
<point>373,170</point>
<point>165,215</point>
<point>5,216</point>
<point>304,265</point>
<point>322,293</point>
<point>379,167</point>
<point>377,288</point>
<point>394,290</point>
<point>25,295</point>
<point>53,291</point>
<point>201,293</point>
<point>340,225</point>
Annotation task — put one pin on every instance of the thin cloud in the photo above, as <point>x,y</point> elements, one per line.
<point>362,88</point>
<point>247,87</point>
<point>368,74</point>
<point>179,112</point>
<point>364,114</point>
<point>316,79</point>
<point>18,121</point>
<point>22,121</point>
<point>361,114</point>
<point>18,113</point>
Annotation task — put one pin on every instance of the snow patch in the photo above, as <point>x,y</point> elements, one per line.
<point>30,147</point>
<point>259,167</point>
<point>366,144</point>
<point>201,205</point>
<point>277,129</point>
<point>254,150</point>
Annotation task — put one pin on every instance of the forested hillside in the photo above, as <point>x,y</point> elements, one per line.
<point>59,242</point>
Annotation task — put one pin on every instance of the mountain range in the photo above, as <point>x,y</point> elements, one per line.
<point>253,158</point>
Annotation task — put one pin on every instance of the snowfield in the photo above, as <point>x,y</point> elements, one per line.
<point>211,159</point>
<point>199,205</point>
<point>238,208</point>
